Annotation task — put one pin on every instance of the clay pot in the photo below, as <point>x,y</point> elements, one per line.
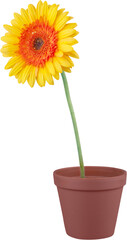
<point>90,205</point>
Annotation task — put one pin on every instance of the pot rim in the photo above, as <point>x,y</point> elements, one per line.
<point>97,178</point>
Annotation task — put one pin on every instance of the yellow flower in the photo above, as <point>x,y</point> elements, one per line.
<point>40,43</point>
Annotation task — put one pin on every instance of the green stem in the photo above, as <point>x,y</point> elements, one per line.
<point>82,172</point>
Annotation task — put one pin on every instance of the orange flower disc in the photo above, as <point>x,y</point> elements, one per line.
<point>38,43</point>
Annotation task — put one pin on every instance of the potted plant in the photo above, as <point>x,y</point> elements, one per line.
<point>40,42</point>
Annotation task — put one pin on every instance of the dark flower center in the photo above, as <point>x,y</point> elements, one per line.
<point>38,43</point>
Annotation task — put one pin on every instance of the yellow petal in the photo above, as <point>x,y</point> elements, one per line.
<point>70,18</point>
<point>70,41</point>
<point>73,54</point>
<point>60,16</point>
<point>56,76</point>
<point>60,11</point>
<point>12,62</point>
<point>13,30</point>
<point>57,65</point>
<point>24,74</point>
<point>32,13</point>
<point>64,47</point>
<point>39,9</point>
<point>25,16</point>
<point>31,79</point>
<point>17,75</point>
<point>59,54</point>
<point>70,25</point>
<point>40,77</point>
<point>50,67</point>
<point>17,68</point>
<point>61,21</point>
<point>14,23</point>
<point>48,76</point>
<point>9,38</point>
<point>75,33</point>
<point>44,10</point>
<point>52,13</point>
<point>64,62</point>
<point>66,69</point>
<point>8,54</point>
<point>69,60</point>
<point>19,19</point>
<point>9,48</point>
<point>66,33</point>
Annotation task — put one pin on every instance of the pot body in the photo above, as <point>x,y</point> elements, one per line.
<point>90,205</point>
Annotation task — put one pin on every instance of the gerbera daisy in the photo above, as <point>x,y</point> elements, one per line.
<point>40,43</point>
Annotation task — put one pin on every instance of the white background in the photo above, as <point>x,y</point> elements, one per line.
<point>36,134</point>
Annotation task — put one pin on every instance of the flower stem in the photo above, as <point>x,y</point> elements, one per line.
<point>82,171</point>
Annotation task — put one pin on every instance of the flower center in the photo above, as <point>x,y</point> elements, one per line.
<point>38,43</point>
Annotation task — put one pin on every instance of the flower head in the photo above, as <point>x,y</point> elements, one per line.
<point>39,43</point>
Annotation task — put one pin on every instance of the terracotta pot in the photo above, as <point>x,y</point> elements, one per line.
<point>90,205</point>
